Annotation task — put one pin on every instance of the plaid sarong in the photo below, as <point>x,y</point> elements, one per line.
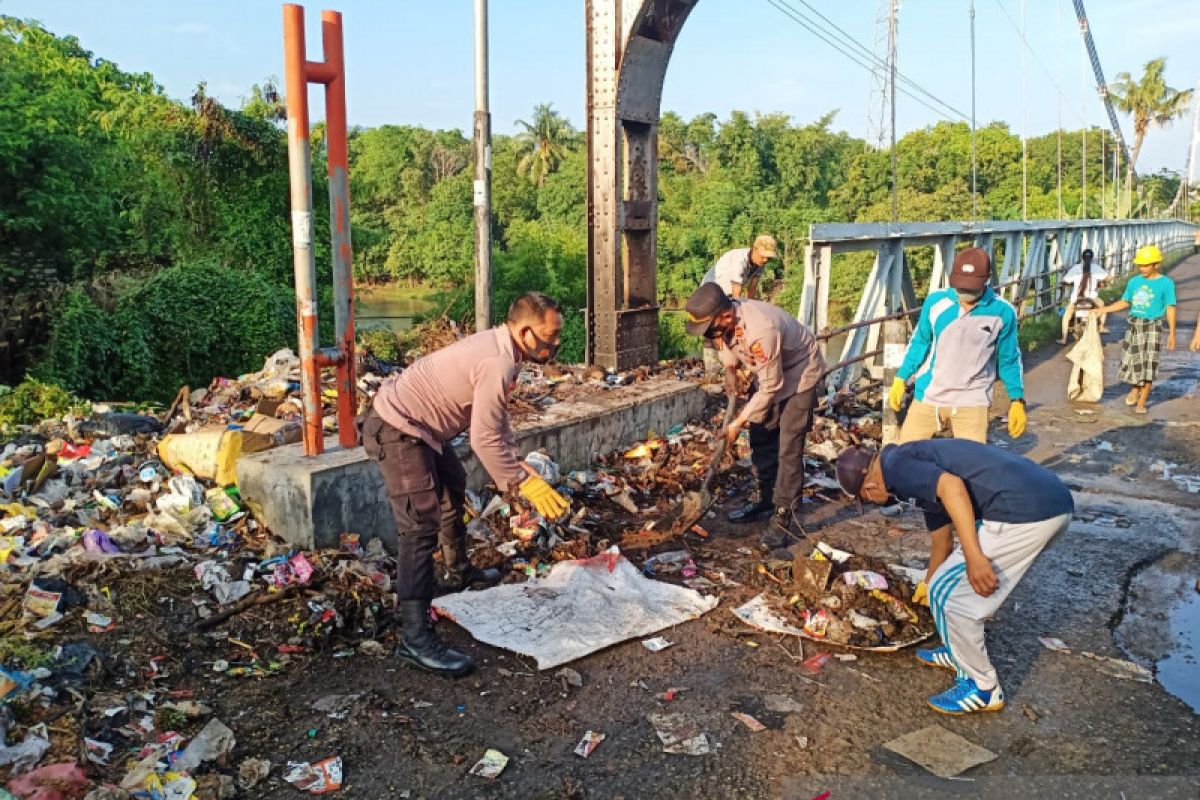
<point>1139,350</point>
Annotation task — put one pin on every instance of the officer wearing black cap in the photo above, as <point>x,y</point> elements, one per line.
<point>789,370</point>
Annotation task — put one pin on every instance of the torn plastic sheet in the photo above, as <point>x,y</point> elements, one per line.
<point>578,608</point>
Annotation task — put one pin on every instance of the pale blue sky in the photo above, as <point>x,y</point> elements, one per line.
<point>410,62</point>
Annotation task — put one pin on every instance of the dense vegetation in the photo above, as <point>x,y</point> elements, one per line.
<point>170,220</point>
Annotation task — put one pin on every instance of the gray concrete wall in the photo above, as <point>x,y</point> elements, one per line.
<point>310,502</point>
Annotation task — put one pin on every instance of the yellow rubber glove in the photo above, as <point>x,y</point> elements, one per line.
<point>896,394</point>
<point>547,502</point>
<point>1016,418</point>
<point>921,595</point>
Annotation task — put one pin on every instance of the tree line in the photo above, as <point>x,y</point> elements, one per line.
<point>113,186</point>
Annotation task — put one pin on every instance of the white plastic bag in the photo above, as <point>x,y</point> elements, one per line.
<point>1087,373</point>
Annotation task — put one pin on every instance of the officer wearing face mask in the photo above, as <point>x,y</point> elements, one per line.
<point>788,370</point>
<point>407,433</point>
<point>965,338</point>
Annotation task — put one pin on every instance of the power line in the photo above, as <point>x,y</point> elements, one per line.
<point>850,41</point>
<point>814,29</point>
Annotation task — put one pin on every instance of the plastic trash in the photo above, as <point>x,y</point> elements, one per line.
<point>97,541</point>
<point>25,755</point>
<point>656,644</point>
<point>118,423</point>
<point>51,782</point>
<point>491,765</point>
<point>865,579</point>
<point>590,741</point>
<point>544,466</point>
<point>318,778</point>
<point>214,741</point>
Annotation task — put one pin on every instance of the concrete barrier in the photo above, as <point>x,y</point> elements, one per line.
<point>310,502</point>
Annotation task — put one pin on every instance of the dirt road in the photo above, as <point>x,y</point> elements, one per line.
<point>1069,731</point>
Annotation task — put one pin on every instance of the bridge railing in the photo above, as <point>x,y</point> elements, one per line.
<point>1028,260</point>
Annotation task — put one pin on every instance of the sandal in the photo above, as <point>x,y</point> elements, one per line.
<point>1141,410</point>
<point>1130,400</point>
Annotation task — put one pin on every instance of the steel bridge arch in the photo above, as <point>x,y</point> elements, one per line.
<point>629,44</point>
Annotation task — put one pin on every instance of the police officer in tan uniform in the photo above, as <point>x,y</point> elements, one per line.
<point>407,432</point>
<point>789,370</point>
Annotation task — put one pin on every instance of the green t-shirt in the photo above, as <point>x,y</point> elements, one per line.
<point>1148,298</point>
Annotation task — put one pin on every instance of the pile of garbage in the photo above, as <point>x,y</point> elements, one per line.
<point>130,567</point>
<point>845,599</point>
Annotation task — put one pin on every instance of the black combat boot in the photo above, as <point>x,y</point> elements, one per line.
<point>778,534</point>
<point>753,510</point>
<point>458,573</point>
<point>421,647</point>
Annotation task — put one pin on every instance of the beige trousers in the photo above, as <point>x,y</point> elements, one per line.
<point>924,421</point>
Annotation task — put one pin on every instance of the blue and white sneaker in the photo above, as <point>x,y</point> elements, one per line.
<point>937,657</point>
<point>967,698</point>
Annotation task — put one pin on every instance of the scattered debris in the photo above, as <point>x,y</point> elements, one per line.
<point>1120,668</point>
<point>680,734</point>
<point>1050,643</point>
<point>590,741</point>
<point>782,703</point>
<point>943,753</point>
<point>317,778</point>
<point>749,721</point>
<point>656,644</point>
<point>491,765</point>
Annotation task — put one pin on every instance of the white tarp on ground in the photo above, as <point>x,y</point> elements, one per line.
<point>578,608</point>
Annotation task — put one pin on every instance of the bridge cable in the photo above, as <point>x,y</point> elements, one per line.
<point>974,157</point>
<point>1058,70</point>
<point>1024,120</point>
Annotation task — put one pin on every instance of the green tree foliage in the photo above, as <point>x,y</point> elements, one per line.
<point>102,173</point>
<point>182,325</point>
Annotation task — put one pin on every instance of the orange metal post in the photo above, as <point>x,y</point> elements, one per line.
<point>331,72</point>
<point>303,263</point>
<point>339,225</point>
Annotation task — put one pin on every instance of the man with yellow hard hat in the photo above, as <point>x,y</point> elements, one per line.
<point>1149,296</point>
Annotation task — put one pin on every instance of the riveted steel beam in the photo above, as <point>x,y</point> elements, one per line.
<point>629,43</point>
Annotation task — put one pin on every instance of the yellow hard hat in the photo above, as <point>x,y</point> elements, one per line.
<point>1148,255</point>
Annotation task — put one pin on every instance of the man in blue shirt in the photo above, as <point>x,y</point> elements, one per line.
<point>1004,510</point>
<point>965,338</point>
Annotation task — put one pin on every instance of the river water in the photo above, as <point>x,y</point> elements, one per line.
<point>391,306</point>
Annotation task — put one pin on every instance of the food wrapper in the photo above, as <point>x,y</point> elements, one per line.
<point>319,778</point>
<point>816,624</point>
<point>491,765</point>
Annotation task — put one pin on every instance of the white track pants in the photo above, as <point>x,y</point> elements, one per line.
<point>960,613</point>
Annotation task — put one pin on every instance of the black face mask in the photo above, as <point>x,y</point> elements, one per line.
<point>541,344</point>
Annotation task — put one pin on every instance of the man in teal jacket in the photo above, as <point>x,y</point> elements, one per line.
<point>966,337</point>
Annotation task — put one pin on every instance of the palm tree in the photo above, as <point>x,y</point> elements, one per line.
<point>1150,102</point>
<point>543,143</point>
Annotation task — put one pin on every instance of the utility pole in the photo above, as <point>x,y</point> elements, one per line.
<point>892,11</point>
<point>483,174</point>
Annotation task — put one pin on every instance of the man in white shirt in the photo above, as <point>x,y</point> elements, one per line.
<point>737,273</point>
<point>1085,280</point>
